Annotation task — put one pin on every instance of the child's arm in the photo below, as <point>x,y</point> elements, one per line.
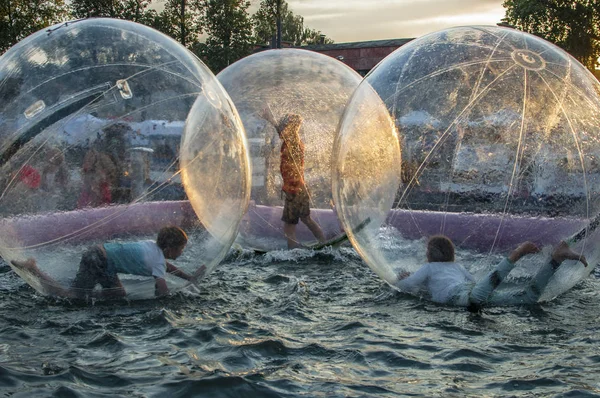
<point>199,274</point>
<point>160,287</point>
<point>413,283</point>
<point>173,270</point>
<point>267,114</point>
<point>179,273</point>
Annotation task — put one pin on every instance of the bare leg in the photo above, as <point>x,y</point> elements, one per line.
<point>563,252</point>
<point>483,289</point>
<point>531,293</point>
<point>50,285</point>
<point>290,233</point>
<point>53,288</point>
<point>314,228</point>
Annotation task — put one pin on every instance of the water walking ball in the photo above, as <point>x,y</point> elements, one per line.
<point>491,137</point>
<point>92,115</point>
<point>300,92</point>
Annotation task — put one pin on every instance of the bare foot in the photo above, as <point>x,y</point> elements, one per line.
<point>523,249</point>
<point>50,286</point>
<point>28,265</point>
<point>563,252</point>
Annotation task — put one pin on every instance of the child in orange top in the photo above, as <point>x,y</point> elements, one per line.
<point>292,154</point>
<point>297,198</point>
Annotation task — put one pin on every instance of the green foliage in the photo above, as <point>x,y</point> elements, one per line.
<point>292,26</point>
<point>312,36</point>
<point>229,33</point>
<point>187,30</point>
<point>263,22</point>
<point>133,10</point>
<point>572,25</point>
<point>20,18</point>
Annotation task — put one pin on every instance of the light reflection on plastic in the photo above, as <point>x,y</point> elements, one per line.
<point>212,97</point>
<point>124,89</point>
<point>34,109</point>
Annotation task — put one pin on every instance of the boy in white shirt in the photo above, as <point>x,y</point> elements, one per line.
<point>447,282</point>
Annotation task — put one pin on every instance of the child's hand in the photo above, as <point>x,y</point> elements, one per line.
<point>199,274</point>
<point>267,114</point>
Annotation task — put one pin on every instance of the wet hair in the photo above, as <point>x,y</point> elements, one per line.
<point>440,249</point>
<point>115,141</point>
<point>291,118</point>
<point>171,237</point>
<point>116,130</point>
<point>289,126</point>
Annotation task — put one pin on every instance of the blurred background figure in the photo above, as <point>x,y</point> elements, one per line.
<point>139,170</point>
<point>98,174</point>
<point>115,145</point>
<point>55,174</point>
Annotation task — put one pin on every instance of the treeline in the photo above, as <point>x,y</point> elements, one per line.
<point>218,31</point>
<point>571,25</point>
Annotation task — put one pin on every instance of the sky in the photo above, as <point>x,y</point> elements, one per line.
<point>363,20</point>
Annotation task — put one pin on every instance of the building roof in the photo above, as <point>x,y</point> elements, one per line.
<point>358,44</point>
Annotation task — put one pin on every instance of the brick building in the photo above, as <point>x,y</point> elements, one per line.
<point>361,56</point>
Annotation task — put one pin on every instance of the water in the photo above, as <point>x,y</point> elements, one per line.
<point>294,324</point>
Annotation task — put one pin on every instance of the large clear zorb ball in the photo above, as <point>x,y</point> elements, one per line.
<point>293,98</point>
<point>92,114</point>
<point>215,166</point>
<point>492,140</point>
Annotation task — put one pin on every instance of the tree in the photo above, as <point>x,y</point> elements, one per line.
<point>292,26</point>
<point>20,18</point>
<point>572,25</point>
<point>312,36</point>
<point>182,20</point>
<point>263,22</point>
<point>229,33</point>
<point>132,10</point>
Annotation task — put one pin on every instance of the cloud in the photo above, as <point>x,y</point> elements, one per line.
<point>360,20</point>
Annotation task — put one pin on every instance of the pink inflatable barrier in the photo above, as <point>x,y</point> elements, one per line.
<point>484,231</point>
<point>97,223</point>
<point>467,230</point>
<point>470,231</point>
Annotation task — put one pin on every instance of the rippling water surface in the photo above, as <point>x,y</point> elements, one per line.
<point>293,324</point>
